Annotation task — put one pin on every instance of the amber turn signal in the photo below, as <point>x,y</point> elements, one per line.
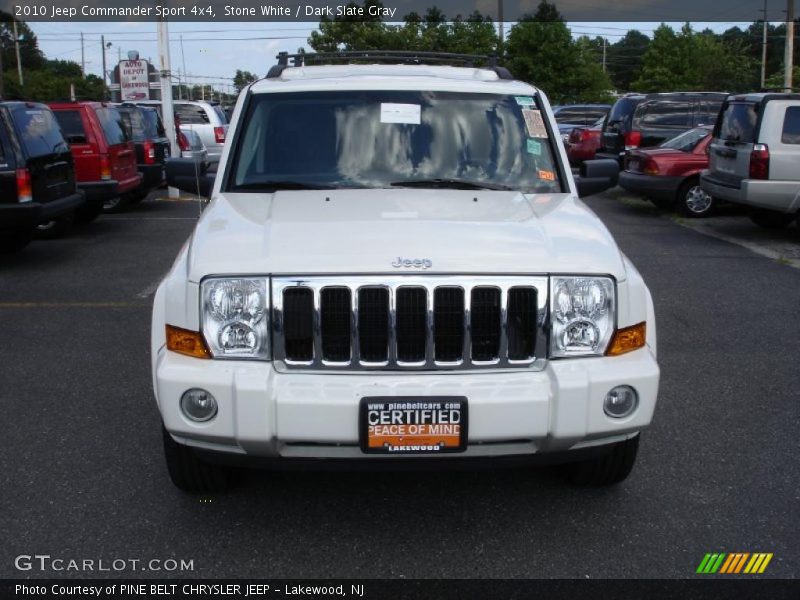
<point>627,339</point>
<point>186,342</point>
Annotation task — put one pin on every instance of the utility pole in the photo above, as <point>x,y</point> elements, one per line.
<point>502,32</point>
<point>788,49</point>
<point>764,49</point>
<point>83,62</point>
<point>105,87</point>
<point>19,60</point>
<point>183,62</point>
<point>167,114</point>
<point>605,42</point>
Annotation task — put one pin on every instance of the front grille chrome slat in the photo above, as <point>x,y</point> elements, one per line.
<point>409,322</point>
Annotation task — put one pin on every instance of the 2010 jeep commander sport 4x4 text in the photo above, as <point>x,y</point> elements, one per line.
<point>395,265</point>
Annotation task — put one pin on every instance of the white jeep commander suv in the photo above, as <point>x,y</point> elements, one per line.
<point>395,266</point>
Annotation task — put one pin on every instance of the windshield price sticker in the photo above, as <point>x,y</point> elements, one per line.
<point>423,425</point>
<point>410,114</point>
<point>534,123</point>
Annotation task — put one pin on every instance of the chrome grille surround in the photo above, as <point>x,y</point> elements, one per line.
<point>391,283</point>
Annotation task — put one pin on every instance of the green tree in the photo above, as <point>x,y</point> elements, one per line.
<point>624,59</point>
<point>348,33</point>
<point>474,34</point>
<point>688,60</point>
<point>540,50</point>
<point>242,79</point>
<point>30,55</point>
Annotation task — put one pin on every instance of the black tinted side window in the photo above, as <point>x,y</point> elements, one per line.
<point>191,115</point>
<point>791,126</point>
<point>72,125</point>
<point>665,113</point>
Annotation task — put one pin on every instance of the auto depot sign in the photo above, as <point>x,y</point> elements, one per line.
<point>134,81</point>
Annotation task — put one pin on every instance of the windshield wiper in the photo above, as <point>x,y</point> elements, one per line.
<point>282,185</point>
<point>458,184</point>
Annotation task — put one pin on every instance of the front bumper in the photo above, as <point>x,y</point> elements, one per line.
<point>265,413</point>
<point>652,186</point>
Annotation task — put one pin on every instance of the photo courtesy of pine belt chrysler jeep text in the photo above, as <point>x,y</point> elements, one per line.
<point>395,266</point>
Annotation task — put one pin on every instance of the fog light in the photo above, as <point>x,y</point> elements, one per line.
<point>198,405</point>
<point>621,401</point>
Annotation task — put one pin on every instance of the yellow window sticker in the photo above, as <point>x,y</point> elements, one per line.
<point>548,175</point>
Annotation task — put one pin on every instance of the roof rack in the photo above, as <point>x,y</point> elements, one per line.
<point>388,56</point>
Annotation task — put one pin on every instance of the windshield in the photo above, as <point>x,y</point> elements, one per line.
<point>688,140</point>
<point>739,122</point>
<point>153,127</point>
<point>378,139</point>
<point>39,131</point>
<point>133,121</point>
<point>221,114</point>
<point>113,127</point>
<point>622,111</point>
<point>581,115</point>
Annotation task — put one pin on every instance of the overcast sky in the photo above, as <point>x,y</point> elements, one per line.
<point>211,52</point>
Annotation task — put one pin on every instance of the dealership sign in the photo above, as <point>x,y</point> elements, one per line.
<point>134,80</point>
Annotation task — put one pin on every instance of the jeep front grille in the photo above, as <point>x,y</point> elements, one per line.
<point>409,322</point>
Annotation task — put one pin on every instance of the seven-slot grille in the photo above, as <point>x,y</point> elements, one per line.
<point>409,322</point>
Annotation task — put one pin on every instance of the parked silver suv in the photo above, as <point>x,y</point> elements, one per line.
<point>754,156</point>
<point>206,118</point>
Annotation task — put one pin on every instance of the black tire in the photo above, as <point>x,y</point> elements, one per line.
<point>116,204</point>
<point>14,241</point>
<point>770,219</point>
<point>57,228</point>
<point>191,474</point>
<point>88,212</point>
<point>608,469</point>
<point>692,201</point>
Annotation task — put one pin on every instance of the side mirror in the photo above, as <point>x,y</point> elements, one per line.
<point>597,176</point>
<point>190,175</point>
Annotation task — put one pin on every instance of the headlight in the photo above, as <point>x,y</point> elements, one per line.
<point>583,315</point>
<point>235,315</point>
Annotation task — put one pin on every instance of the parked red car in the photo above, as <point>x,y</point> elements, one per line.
<point>583,143</point>
<point>105,158</point>
<point>669,174</point>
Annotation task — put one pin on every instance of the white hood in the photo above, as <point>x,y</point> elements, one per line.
<point>365,231</point>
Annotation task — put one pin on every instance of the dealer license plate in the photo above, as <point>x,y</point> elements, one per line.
<point>413,425</point>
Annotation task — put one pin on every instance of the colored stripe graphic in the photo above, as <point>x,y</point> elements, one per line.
<point>711,563</point>
<point>734,563</point>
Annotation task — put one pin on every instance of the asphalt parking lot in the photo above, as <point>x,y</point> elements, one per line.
<point>83,477</point>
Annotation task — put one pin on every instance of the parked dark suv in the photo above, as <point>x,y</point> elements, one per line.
<point>655,118</point>
<point>617,126</point>
<point>37,176</point>
<point>145,129</point>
